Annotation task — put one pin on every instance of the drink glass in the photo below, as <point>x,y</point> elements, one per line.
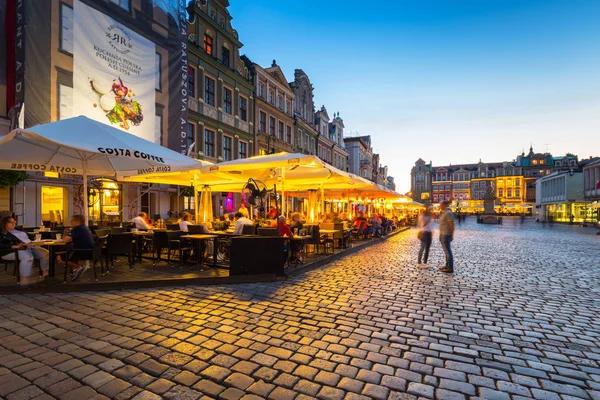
<point>58,237</point>
<point>38,237</point>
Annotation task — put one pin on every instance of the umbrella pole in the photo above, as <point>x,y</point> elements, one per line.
<point>283,202</point>
<point>196,203</point>
<point>86,208</point>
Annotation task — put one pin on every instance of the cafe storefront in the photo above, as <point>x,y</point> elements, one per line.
<point>562,212</point>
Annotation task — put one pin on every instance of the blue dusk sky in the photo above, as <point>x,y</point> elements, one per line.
<point>450,81</point>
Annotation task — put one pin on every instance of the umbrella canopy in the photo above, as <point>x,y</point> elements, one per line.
<point>70,145</point>
<point>81,146</point>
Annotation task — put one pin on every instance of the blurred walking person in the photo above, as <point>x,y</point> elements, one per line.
<point>425,235</point>
<point>446,236</point>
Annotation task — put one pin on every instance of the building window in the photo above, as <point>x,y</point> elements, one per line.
<point>288,134</point>
<point>191,81</point>
<point>280,102</point>
<point>535,162</point>
<point>435,187</point>
<point>271,126</point>
<point>280,130</point>
<point>517,182</point>
<point>262,121</point>
<point>157,72</point>
<point>541,161</point>
<point>208,44</point>
<point>124,4</point>
<point>227,106</point>
<point>65,99</point>
<point>209,143</point>
<point>475,184</point>
<point>227,148</point>
<point>517,192</point>
<point>509,192</point>
<point>243,109</point>
<point>225,59</point>
<point>288,107</point>
<point>261,90</point>
<point>271,98</point>
<point>447,187</point>
<point>243,150</point>
<point>191,136</point>
<point>66,29</point>
<point>500,193</point>
<point>209,91</point>
<point>157,128</point>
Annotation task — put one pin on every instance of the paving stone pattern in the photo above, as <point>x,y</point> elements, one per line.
<point>519,319</point>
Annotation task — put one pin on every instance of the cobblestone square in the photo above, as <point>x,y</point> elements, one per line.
<point>520,318</point>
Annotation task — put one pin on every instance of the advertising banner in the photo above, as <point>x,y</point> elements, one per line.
<point>113,73</point>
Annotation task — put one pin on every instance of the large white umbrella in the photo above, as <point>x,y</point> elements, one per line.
<point>81,146</point>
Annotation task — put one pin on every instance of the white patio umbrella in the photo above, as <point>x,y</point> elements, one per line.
<point>81,146</point>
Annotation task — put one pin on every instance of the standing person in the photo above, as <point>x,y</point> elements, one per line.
<point>425,224</point>
<point>17,240</point>
<point>446,236</point>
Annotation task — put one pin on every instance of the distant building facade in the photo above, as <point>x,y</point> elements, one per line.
<point>304,114</point>
<point>274,127</point>
<point>360,156</point>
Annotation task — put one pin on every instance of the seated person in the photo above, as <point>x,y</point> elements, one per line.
<point>186,220</point>
<point>141,221</point>
<point>80,238</point>
<point>361,217</point>
<point>240,221</point>
<point>295,223</point>
<point>284,230</point>
<point>16,240</point>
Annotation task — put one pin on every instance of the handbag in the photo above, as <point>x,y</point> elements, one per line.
<point>420,235</point>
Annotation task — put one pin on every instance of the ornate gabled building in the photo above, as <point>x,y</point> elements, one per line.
<point>420,181</point>
<point>274,99</point>
<point>340,154</point>
<point>304,114</point>
<point>325,144</point>
<point>220,86</point>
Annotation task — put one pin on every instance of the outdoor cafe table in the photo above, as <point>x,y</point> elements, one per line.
<point>295,252</point>
<point>328,232</point>
<point>200,254</point>
<point>51,244</point>
<point>139,237</point>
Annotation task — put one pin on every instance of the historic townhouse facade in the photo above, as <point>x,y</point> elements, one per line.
<point>325,144</point>
<point>304,114</point>
<point>360,156</point>
<point>340,154</point>
<point>420,181</point>
<point>274,127</point>
<point>591,181</point>
<point>220,87</point>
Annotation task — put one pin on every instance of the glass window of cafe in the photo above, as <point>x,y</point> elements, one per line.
<point>54,205</point>
<point>106,203</point>
<point>562,212</point>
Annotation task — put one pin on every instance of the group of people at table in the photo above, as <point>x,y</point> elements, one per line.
<point>15,243</point>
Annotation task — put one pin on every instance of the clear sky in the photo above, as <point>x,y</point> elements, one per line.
<point>450,81</point>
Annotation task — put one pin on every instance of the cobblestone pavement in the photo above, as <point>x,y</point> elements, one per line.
<point>519,319</point>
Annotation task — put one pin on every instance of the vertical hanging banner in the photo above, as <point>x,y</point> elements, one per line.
<point>114,73</point>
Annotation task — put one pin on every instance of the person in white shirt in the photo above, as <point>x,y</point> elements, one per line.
<point>141,221</point>
<point>27,254</point>
<point>424,224</point>
<point>185,221</point>
<point>240,221</point>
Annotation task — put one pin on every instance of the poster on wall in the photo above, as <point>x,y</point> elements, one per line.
<point>114,73</point>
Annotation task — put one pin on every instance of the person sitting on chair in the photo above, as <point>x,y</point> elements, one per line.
<point>141,221</point>
<point>27,254</point>
<point>80,238</point>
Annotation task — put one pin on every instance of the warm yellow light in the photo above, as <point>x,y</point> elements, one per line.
<point>51,174</point>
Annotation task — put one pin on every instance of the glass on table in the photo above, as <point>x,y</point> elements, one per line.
<point>58,237</point>
<point>38,237</point>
